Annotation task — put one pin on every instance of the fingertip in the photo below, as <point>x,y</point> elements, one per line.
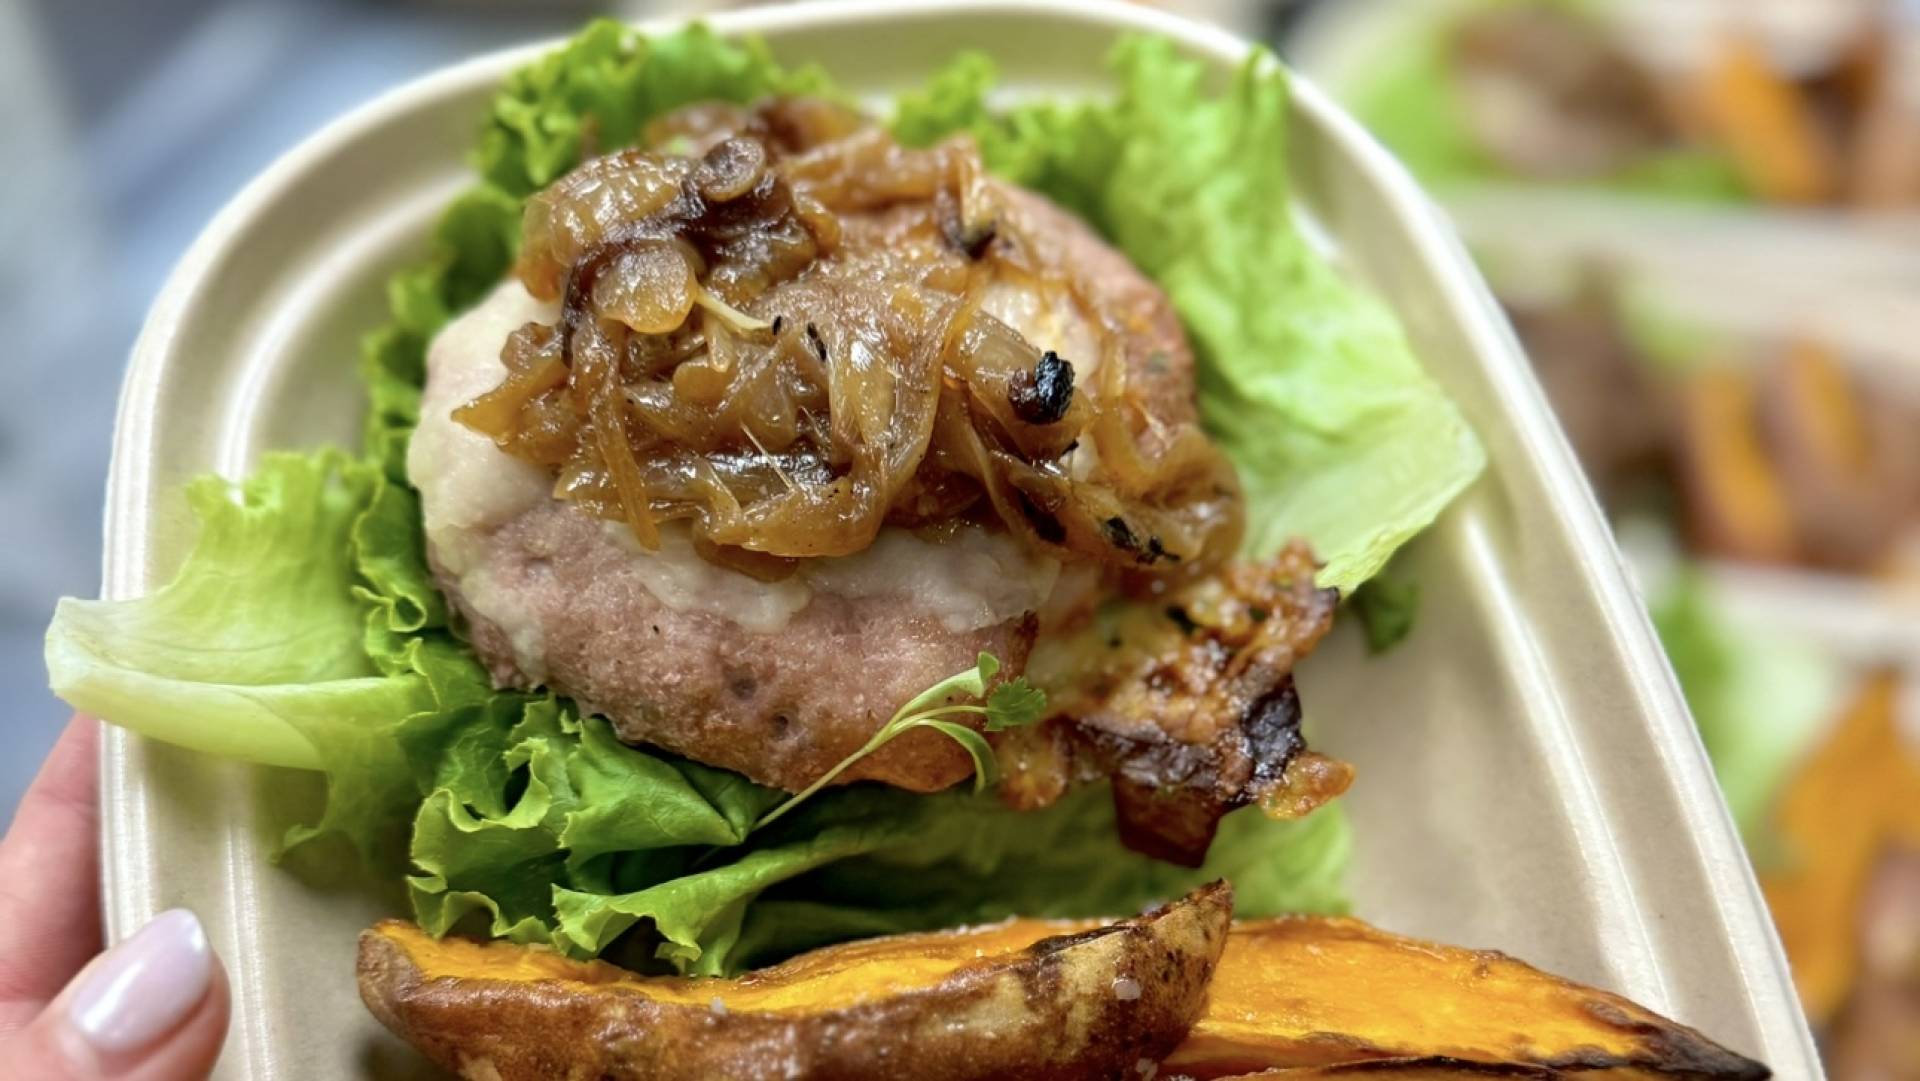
<point>191,1050</point>
<point>195,1048</point>
<point>155,1007</point>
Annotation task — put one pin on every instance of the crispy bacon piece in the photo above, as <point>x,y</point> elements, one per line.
<point>1187,703</point>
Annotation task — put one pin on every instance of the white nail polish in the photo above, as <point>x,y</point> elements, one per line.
<point>145,987</point>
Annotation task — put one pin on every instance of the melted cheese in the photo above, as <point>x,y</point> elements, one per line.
<point>469,488</point>
<point>465,482</point>
<point>678,578</point>
<point>970,580</point>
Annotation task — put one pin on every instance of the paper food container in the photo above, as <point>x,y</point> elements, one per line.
<point>1529,777</point>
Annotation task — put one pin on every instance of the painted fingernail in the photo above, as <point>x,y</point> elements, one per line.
<point>145,987</point>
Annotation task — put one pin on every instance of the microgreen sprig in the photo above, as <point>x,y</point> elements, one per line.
<point>1013,704</point>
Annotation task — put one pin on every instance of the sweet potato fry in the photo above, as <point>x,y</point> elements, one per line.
<point>1836,818</point>
<point>1736,506</point>
<point>1842,490</point>
<point>1768,127</point>
<point>1003,1001</point>
<point>1319,993</point>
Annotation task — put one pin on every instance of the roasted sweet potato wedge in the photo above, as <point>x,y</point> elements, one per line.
<point>1404,1069</point>
<point>1318,993</point>
<point>942,1007</point>
<point>1297,999</point>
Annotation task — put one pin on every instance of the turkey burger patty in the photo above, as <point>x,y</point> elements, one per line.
<point>767,311</point>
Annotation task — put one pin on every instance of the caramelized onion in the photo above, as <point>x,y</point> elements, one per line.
<point>781,335</point>
<point>648,287</point>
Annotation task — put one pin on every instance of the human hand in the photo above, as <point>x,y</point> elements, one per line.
<point>153,1008</point>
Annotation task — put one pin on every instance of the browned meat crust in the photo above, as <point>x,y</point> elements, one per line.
<point>1188,704</point>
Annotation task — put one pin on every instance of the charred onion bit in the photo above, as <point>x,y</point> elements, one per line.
<point>972,238</point>
<point>674,385</point>
<point>1043,395</point>
<point>1189,705</point>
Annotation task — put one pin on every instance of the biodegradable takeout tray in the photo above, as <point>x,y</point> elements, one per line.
<point>1529,777</point>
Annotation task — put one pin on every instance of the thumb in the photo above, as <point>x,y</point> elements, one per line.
<point>153,1008</point>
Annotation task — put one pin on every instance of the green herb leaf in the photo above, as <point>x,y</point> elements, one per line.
<point>972,682</point>
<point>986,769</point>
<point>1014,704</point>
<point>1022,705</point>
